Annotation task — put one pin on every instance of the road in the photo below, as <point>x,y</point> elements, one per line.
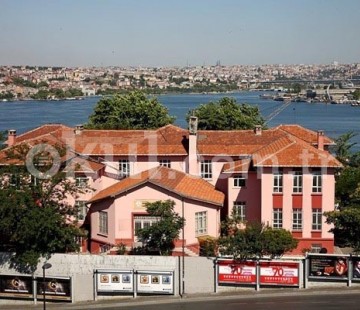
<point>328,301</point>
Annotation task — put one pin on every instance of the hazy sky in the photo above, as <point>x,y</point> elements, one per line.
<point>173,32</point>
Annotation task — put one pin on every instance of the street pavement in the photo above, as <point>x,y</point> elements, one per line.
<point>324,298</point>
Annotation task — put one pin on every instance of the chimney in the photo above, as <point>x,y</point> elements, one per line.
<point>78,129</point>
<point>320,140</point>
<point>257,130</point>
<point>11,137</point>
<point>192,159</point>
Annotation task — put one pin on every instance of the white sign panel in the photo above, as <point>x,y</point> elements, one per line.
<point>114,281</point>
<point>158,282</point>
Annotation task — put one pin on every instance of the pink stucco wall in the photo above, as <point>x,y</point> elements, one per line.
<point>251,194</point>
<point>124,207</point>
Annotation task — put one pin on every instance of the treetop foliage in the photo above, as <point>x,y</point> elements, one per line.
<point>133,110</point>
<point>254,241</point>
<point>227,114</point>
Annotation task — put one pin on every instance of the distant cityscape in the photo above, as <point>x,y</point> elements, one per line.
<point>37,82</point>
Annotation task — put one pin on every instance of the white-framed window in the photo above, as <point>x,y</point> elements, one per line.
<point>316,219</point>
<point>316,248</point>
<point>81,209</point>
<point>297,219</point>
<point>81,182</point>
<point>278,182</point>
<point>103,223</point>
<point>124,167</point>
<point>317,182</point>
<point>165,163</point>
<point>206,169</point>
<point>143,221</point>
<point>239,181</point>
<point>239,209</point>
<point>297,182</point>
<point>200,223</point>
<point>277,218</point>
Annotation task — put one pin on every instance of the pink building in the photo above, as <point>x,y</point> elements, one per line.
<point>283,177</point>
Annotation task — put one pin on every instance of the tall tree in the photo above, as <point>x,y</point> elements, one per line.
<point>346,226</point>
<point>346,219</point>
<point>2,139</point>
<point>162,234</point>
<point>130,111</point>
<point>35,218</point>
<point>254,240</point>
<point>343,146</point>
<point>227,114</point>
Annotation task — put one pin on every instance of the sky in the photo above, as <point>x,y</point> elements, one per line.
<point>157,33</point>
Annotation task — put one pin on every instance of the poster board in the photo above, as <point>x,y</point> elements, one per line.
<point>111,281</point>
<point>14,286</point>
<point>328,267</point>
<point>232,272</point>
<point>279,273</point>
<point>155,282</point>
<point>56,288</point>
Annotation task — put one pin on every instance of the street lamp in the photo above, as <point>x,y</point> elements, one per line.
<point>44,267</point>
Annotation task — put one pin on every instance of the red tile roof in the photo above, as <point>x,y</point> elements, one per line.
<point>78,164</point>
<point>291,151</point>
<point>281,145</point>
<point>303,133</point>
<point>239,166</point>
<point>172,180</point>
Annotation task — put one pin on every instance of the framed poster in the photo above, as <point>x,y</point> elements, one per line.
<point>55,288</point>
<point>155,282</point>
<point>356,269</point>
<point>16,286</point>
<point>108,281</point>
<point>279,273</point>
<point>326,266</point>
<point>231,272</point>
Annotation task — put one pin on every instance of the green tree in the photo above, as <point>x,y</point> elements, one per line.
<point>162,234</point>
<point>34,213</point>
<point>346,219</point>
<point>296,88</point>
<point>343,146</point>
<point>356,94</point>
<point>130,111</point>
<point>2,139</point>
<point>346,226</point>
<point>227,114</point>
<point>254,241</point>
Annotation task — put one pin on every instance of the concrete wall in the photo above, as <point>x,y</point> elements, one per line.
<point>199,273</point>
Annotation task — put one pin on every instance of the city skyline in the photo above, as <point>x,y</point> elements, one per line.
<point>169,33</point>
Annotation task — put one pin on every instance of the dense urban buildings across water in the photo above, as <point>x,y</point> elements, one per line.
<point>37,82</point>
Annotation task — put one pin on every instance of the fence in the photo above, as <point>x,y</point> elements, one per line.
<point>82,277</point>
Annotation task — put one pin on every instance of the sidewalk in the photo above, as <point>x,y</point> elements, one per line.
<point>150,300</point>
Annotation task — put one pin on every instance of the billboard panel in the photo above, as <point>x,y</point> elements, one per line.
<point>55,288</point>
<point>16,286</point>
<point>232,272</point>
<point>155,282</point>
<point>279,273</point>
<point>326,266</point>
<point>114,281</point>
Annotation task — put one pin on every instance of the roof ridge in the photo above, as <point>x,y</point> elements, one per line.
<point>277,151</point>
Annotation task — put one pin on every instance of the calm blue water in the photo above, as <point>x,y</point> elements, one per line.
<point>333,119</point>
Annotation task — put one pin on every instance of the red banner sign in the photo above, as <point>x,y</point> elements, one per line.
<point>235,272</point>
<point>279,273</point>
